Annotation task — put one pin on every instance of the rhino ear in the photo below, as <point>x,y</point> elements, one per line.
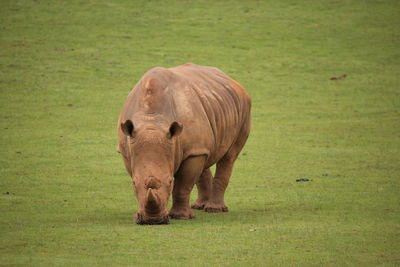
<point>128,128</point>
<point>175,129</point>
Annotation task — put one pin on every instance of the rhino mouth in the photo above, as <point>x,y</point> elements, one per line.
<point>141,220</point>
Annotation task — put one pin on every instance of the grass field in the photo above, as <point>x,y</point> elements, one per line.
<point>66,68</point>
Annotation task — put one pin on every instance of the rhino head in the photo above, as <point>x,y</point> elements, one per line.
<point>149,158</point>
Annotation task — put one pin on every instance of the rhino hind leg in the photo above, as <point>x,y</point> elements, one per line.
<point>188,173</point>
<point>204,185</point>
<point>220,183</point>
<point>223,172</point>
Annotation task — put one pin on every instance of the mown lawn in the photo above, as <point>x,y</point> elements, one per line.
<point>66,68</point>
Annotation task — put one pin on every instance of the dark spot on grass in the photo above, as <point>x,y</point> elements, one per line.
<point>339,78</point>
<point>303,180</point>
<point>18,152</point>
<point>70,105</point>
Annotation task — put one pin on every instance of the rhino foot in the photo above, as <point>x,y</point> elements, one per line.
<point>215,208</point>
<point>198,205</point>
<point>184,214</point>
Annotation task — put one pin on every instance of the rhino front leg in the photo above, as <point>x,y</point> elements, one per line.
<point>185,178</point>
<point>204,185</point>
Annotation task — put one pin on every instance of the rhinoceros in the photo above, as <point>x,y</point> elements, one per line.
<point>175,124</point>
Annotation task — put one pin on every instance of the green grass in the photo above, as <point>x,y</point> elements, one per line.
<point>66,68</point>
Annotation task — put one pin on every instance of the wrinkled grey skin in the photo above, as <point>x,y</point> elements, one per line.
<point>174,125</point>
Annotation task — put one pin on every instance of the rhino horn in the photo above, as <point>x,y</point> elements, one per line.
<point>152,201</point>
